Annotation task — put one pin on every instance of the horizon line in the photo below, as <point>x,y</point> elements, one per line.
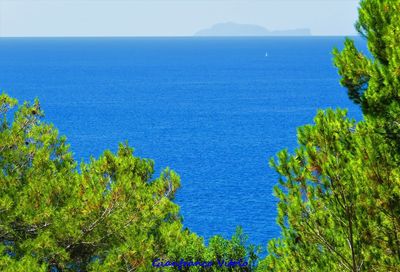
<point>183,36</point>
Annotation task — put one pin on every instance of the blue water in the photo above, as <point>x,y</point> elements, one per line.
<point>215,110</point>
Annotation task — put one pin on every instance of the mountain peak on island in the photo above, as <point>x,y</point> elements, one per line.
<point>235,29</point>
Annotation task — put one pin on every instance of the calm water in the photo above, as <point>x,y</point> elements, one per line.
<point>214,110</point>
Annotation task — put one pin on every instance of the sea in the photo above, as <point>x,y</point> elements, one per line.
<point>215,110</point>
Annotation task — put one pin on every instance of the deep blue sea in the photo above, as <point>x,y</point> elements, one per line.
<point>213,109</point>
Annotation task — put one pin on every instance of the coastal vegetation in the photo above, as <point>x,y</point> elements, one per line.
<point>109,214</point>
<point>339,192</point>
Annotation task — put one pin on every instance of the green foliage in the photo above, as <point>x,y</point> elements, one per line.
<point>339,196</point>
<point>105,215</point>
<point>234,249</point>
<point>339,193</point>
<point>374,82</point>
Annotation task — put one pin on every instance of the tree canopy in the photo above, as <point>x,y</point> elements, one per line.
<point>339,192</point>
<point>106,215</point>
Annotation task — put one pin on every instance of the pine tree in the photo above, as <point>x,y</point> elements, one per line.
<point>109,214</point>
<point>339,193</point>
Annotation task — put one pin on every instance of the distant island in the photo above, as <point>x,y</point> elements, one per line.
<point>234,29</point>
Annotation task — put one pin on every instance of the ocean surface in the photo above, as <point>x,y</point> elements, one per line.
<point>213,109</point>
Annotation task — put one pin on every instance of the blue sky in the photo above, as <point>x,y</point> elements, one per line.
<point>170,18</point>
